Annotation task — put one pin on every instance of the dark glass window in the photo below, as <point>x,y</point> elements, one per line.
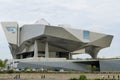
<point>21,29</point>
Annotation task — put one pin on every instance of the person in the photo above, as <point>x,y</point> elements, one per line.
<point>108,76</point>
<point>42,76</point>
<point>18,76</point>
<point>113,77</point>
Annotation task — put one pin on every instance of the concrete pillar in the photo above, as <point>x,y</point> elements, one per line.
<point>46,50</point>
<point>70,55</point>
<point>26,48</point>
<point>14,56</point>
<point>93,51</point>
<point>21,56</point>
<point>36,49</point>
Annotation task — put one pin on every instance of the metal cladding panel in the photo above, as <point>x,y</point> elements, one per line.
<point>103,42</point>
<point>31,31</point>
<point>76,32</point>
<point>11,31</point>
<point>110,65</point>
<point>82,36</point>
<point>59,32</point>
<point>95,36</point>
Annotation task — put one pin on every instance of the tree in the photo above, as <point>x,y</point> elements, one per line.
<point>94,68</point>
<point>91,68</point>
<point>3,63</point>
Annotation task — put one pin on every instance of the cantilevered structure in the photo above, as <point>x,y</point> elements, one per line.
<point>47,41</point>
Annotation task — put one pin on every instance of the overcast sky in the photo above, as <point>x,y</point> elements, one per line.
<point>94,15</point>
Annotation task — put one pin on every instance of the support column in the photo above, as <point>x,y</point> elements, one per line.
<point>92,51</point>
<point>46,50</point>
<point>70,56</point>
<point>36,49</point>
<point>14,56</point>
<point>21,56</point>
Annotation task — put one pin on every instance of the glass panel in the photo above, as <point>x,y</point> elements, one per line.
<point>11,29</point>
<point>86,35</point>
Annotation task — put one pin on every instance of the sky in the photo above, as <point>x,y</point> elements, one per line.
<point>95,15</point>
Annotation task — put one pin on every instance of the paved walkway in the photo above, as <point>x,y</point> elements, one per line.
<point>53,76</point>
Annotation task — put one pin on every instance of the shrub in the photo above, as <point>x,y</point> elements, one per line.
<point>82,77</point>
<point>97,79</point>
<point>10,71</point>
<point>1,71</point>
<point>73,79</point>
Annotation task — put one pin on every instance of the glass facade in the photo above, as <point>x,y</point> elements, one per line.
<point>86,35</point>
<point>11,29</point>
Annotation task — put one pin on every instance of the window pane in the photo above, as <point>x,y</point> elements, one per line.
<point>86,35</point>
<point>11,29</point>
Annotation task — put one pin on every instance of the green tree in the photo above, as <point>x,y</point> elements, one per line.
<point>91,68</point>
<point>94,68</point>
<point>3,63</point>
